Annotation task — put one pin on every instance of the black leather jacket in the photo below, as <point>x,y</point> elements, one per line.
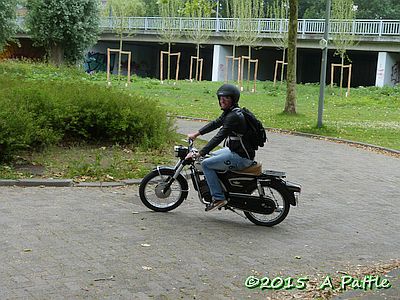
<point>233,123</point>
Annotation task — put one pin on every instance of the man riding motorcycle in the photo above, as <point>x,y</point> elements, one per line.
<point>237,153</point>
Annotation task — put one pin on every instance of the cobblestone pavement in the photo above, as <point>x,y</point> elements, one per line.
<point>102,243</point>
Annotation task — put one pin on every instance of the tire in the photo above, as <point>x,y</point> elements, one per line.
<point>152,195</point>
<point>279,194</point>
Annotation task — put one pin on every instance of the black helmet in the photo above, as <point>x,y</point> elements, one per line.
<point>229,90</point>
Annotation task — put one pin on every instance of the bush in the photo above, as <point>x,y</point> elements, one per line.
<point>36,113</point>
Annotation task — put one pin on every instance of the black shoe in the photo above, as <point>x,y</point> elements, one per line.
<point>216,204</point>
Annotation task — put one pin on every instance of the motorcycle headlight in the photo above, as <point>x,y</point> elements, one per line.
<point>181,151</point>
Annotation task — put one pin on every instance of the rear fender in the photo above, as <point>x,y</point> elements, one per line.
<point>291,190</point>
<point>294,190</point>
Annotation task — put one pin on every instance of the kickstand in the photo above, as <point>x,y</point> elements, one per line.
<point>231,209</point>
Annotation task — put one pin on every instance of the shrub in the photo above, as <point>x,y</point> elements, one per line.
<point>37,113</point>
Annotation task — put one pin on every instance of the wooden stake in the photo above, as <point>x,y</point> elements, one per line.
<point>349,80</point>
<point>348,77</point>
<point>177,66</point>
<point>120,53</point>
<point>201,68</point>
<point>276,72</point>
<point>191,68</point>
<point>108,65</point>
<point>239,69</point>
<point>226,69</point>
<point>161,65</point>
<point>178,55</point>
<point>234,59</point>
<point>129,67</point>
<point>255,74</point>
<point>277,63</point>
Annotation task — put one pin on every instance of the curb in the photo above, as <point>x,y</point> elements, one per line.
<point>65,183</point>
<point>365,146</point>
<point>37,182</point>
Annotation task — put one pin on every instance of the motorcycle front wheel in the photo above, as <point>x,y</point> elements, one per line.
<point>279,195</point>
<point>153,194</point>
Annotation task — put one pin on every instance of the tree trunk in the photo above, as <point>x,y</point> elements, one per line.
<point>341,75</point>
<point>290,106</point>
<point>283,64</point>
<point>248,70</point>
<point>56,55</point>
<point>120,58</point>
<point>197,62</point>
<point>233,62</point>
<point>169,62</point>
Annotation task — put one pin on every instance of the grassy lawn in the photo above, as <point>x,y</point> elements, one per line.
<point>370,115</point>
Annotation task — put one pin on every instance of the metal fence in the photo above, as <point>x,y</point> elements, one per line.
<point>263,26</point>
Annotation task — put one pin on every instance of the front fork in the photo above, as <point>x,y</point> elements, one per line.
<point>178,169</point>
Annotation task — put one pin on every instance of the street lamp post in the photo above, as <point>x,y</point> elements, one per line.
<point>324,43</point>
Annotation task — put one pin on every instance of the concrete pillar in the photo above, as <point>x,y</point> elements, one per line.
<point>388,69</point>
<point>218,66</point>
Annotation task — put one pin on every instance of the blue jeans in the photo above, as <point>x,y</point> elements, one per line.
<point>222,160</point>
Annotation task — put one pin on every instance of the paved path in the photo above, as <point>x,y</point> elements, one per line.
<point>79,243</point>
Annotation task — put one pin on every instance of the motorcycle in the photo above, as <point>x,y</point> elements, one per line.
<point>264,197</point>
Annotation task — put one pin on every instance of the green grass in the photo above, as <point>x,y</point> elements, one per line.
<point>91,162</point>
<point>370,115</point>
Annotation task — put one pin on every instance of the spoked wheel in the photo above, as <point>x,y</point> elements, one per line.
<point>280,197</point>
<point>155,194</point>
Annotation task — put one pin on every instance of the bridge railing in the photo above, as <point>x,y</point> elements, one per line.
<point>263,26</point>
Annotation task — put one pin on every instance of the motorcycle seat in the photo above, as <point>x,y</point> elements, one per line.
<point>254,169</point>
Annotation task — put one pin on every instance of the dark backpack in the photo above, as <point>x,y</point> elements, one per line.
<point>255,134</point>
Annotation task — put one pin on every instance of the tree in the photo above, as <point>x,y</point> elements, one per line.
<point>169,10</point>
<point>151,8</point>
<point>196,11</point>
<point>343,12</point>
<point>290,106</point>
<point>8,26</point>
<point>66,28</point>
<point>120,11</point>
<point>378,9</point>
<point>366,9</point>
<point>250,11</point>
<point>279,12</point>
<point>234,11</point>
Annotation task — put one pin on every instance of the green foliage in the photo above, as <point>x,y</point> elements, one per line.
<point>279,10</point>
<point>366,9</point>
<point>169,9</point>
<point>123,9</point>
<point>152,8</point>
<point>71,25</point>
<point>378,9</point>
<point>197,8</point>
<point>39,112</point>
<point>8,25</point>
<point>196,11</point>
<point>344,11</point>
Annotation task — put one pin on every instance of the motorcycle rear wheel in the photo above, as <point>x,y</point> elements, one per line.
<point>152,194</point>
<point>277,193</point>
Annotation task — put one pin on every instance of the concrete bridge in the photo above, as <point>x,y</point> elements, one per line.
<point>375,55</point>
